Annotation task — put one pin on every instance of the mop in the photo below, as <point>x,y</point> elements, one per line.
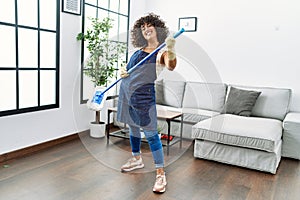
<point>97,102</point>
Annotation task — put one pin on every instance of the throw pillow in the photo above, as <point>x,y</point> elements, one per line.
<point>240,102</point>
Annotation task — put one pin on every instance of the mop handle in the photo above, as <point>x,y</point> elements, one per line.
<point>144,59</point>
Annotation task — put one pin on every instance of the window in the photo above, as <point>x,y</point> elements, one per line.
<point>29,64</point>
<point>118,10</point>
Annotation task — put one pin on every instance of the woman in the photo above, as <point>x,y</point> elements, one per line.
<point>136,106</point>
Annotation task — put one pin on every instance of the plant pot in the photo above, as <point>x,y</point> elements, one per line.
<point>97,130</point>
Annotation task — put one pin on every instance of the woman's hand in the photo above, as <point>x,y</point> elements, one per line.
<point>123,72</point>
<point>170,44</point>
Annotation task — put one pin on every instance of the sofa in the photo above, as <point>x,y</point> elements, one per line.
<point>234,124</point>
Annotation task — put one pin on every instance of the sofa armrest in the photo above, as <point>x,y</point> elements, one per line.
<point>291,135</point>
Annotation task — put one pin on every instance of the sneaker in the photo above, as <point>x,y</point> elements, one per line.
<point>160,183</point>
<point>132,164</point>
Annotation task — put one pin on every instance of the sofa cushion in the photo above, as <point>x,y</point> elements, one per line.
<point>271,103</point>
<point>193,116</point>
<point>249,132</point>
<point>173,93</point>
<point>190,115</point>
<point>234,155</point>
<point>159,91</point>
<point>208,96</point>
<point>169,93</point>
<point>240,102</point>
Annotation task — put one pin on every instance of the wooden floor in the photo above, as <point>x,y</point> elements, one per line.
<point>88,169</point>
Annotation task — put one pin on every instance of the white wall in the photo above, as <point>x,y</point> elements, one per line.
<point>249,42</point>
<point>23,130</point>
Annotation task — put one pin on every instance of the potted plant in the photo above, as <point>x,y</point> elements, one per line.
<point>101,64</point>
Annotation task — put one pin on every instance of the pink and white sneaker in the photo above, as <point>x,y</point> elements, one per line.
<point>132,164</point>
<point>160,183</point>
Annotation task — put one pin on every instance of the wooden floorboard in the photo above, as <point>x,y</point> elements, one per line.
<point>87,169</point>
<point>35,148</point>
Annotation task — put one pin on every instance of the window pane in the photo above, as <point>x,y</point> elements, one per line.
<point>103,3</point>
<point>88,87</point>
<point>113,32</point>
<point>7,11</point>
<point>28,85</point>
<point>7,90</point>
<point>28,50</point>
<point>27,12</point>
<point>123,29</point>
<point>86,53</point>
<point>89,12</point>
<point>48,14</point>
<point>93,2</point>
<point>124,7</point>
<point>102,14</point>
<point>114,5</point>
<point>48,50</point>
<point>8,46</point>
<point>47,87</point>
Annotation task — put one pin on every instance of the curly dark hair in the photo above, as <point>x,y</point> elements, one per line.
<point>137,37</point>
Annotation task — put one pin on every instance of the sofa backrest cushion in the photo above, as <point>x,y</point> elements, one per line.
<point>208,96</point>
<point>159,91</point>
<point>271,103</point>
<point>170,93</point>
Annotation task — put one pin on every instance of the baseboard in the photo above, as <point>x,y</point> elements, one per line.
<point>35,148</point>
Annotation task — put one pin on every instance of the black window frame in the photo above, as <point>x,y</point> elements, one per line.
<point>39,107</point>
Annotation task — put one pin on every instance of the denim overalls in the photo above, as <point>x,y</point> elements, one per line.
<point>136,105</point>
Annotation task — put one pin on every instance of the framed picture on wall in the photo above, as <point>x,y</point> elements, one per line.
<point>188,23</point>
<point>71,6</point>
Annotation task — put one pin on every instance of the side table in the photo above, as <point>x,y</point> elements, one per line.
<point>169,116</point>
